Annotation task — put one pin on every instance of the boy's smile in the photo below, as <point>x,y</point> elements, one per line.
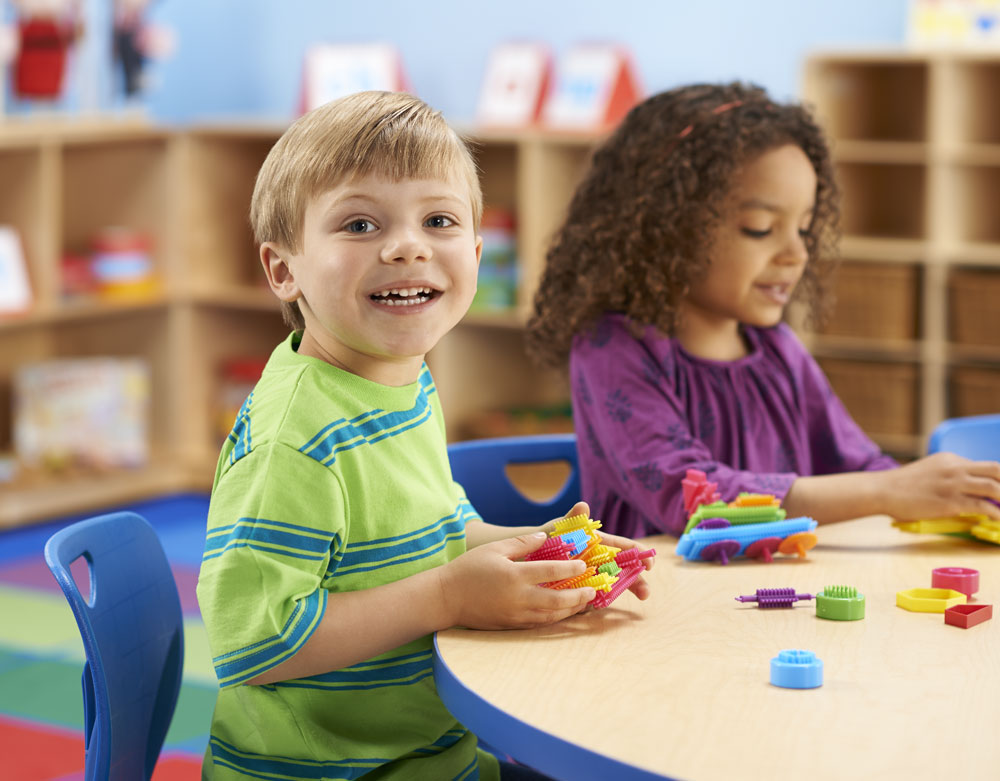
<point>385,269</point>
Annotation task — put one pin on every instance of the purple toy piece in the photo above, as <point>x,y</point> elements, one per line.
<point>720,550</point>
<point>774,597</point>
<point>713,523</point>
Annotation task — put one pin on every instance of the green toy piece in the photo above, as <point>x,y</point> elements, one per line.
<point>840,603</point>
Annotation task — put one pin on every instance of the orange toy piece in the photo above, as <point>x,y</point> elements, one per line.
<point>573,582</point>
<point>797,543</point>
<point>755,500</point>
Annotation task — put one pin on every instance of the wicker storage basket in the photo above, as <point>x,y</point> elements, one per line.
<point>975,307</point>
<point>974,391</point>
<point>881,397</point>
<point>875,301</point>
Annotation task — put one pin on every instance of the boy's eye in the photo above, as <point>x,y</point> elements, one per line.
<point>439,221</point>
<point>359,226</point>
<point>755,234</point>
<point>804,233</point>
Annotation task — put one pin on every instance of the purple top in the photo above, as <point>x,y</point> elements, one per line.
<point>645,411</point>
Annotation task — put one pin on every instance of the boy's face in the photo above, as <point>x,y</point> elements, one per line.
<point>385,270</point>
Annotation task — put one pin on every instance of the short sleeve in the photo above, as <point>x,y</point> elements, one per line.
<point>269,549</point>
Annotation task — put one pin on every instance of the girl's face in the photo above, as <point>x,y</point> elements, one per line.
<point>757,256</point>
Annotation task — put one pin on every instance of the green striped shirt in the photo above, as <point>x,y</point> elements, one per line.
<point>327,483</point>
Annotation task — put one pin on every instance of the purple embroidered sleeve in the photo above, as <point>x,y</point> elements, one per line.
<point>646,412</point>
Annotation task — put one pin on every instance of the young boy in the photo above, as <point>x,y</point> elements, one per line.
<point>336,536</point>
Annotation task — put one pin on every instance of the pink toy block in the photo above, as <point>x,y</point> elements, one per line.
<point>957,578</point>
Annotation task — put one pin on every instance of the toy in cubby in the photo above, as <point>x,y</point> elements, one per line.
<point>610,570</point>
<point>753,525</point>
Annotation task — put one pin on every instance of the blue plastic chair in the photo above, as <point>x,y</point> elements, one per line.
<point>133,637</point>
<point>479,464</point>
<point>976,437</point>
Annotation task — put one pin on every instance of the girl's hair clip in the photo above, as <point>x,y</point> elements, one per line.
<point>717,110</point>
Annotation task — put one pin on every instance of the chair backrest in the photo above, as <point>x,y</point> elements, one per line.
<point>976,437</point>
<point>479,466</point>
<point>133,637</point>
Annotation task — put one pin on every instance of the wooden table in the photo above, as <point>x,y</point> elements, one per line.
<point>678,686</point>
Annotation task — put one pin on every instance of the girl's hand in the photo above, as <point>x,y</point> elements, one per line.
<point>489,587</point>
<point>941,486</point>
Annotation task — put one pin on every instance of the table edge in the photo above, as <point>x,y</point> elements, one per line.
<point>536,748</point>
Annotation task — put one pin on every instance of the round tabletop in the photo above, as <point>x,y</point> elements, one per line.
<point>679,685</point>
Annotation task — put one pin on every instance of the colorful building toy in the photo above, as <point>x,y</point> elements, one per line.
<point>609,570</point>
<point>752,525</point>
<point>740,538</point>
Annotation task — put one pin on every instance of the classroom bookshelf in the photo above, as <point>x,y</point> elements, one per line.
<point>189,191</point>
<point>915,334</point>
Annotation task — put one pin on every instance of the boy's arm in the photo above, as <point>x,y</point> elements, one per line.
<point>486,588</point>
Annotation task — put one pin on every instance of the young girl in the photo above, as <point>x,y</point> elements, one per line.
<point>701,218</point>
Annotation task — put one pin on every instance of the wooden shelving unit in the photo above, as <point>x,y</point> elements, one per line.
<point>916,140</point>
<point>189,190</point>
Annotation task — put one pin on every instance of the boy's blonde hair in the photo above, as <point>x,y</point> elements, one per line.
<point>389,134</point>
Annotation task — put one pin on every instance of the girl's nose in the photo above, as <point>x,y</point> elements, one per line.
<point>405,246</point>
<point>795,250</point>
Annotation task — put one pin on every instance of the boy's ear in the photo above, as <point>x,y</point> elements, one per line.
<point>479,250</point>
<point>278,270</point>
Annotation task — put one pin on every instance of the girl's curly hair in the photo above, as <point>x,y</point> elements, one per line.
<point>639,227</point>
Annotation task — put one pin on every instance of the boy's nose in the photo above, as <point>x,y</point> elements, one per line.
<point>405,246</point>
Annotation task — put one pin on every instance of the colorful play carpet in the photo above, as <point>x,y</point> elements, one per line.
<point>41,654</point>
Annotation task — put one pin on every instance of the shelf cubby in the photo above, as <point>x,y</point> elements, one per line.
<point>884,201</point>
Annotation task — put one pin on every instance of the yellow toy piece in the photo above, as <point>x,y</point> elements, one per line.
<point>574,522</point>
<point>929,600</point>
<point>988,530</point>
<point>961,523</point>
<point>602,581</point>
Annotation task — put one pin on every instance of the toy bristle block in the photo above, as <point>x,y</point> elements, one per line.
<point>574,581</point>
<point>625,579</point>
<point>601,581</point>
<point>575,522</point>
<point>587,552</point>
<point>633,555</point>
<point>610,567</point>
<point>602,555</point>
<point>840,592</point>
<point>552,549</point>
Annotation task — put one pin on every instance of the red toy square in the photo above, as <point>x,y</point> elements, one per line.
<point>968,615</point>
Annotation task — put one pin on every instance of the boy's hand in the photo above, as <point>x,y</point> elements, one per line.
<point>640,587</point>
<point>489,588</point>
<point>941,486</point>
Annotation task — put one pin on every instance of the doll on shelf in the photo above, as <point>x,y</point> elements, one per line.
<point>136,42</point>
<point>45,30</point>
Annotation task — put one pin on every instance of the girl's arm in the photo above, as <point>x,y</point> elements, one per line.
<point>938,486</point>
